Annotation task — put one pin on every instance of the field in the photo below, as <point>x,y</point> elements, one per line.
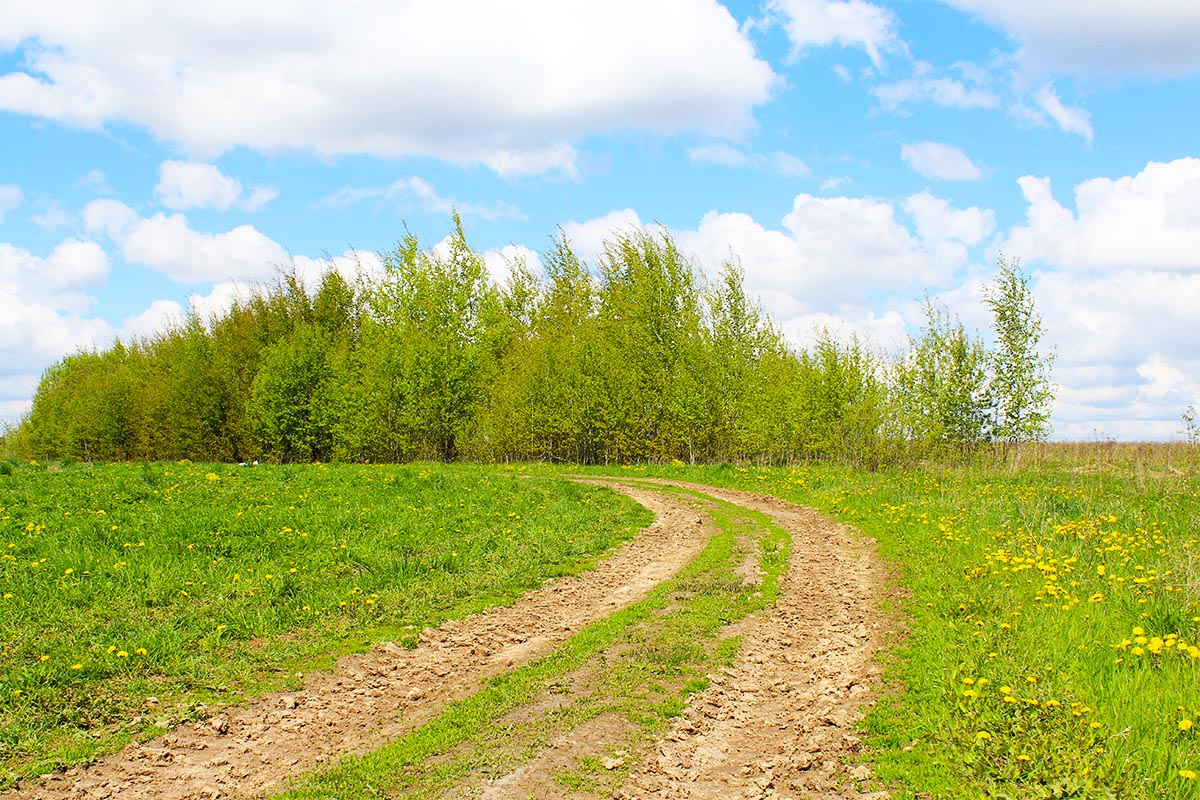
<point>1048,640</point>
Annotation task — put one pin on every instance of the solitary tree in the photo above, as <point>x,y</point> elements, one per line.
<point>1021,385</point>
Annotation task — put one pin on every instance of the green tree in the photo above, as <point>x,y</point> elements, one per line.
<point>1021,386</point>
<point>942,385</point>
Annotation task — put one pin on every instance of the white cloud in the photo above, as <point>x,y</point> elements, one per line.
<point>943,161</point>
<point>59,280</point>
<point>1069,120</point>
<point>1155,38</point>
<point>835,251</point>
<point>259,197</point>
<point>587,238</point>
<point>188,184</point>
<point>420,194</point>
<point>158,317</point>
<point>848,23</point>
<point>1148,221</point>
<point>169,245</point>
<point>970,90</point>
<point>52,217</point>
<point>790,165</point>
<point>720,153</point>
<point>42,300</point>
<point>937,221</point>
<point>95,180</point>
<point>10,197</point>
<point>527,82</point>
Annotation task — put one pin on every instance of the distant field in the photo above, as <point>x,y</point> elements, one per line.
<point>199,584</point>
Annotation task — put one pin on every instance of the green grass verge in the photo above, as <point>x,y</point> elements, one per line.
<point>641,663</point>
<point>1054,621</point>
<point>202,584</point>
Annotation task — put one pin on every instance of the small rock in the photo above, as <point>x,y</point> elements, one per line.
<point>861,772</point>
<point>611,763</point>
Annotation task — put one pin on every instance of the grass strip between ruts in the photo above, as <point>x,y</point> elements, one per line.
<point>713,596</point>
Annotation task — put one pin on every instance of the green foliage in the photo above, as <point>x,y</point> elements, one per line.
<point>633,358</point>
<point>1021,374</point>
<point>943,385</point>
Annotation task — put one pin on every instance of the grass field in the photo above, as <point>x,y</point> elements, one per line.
<point>1054,620</point>
<point>200,584</point>
<point>1053,614</point>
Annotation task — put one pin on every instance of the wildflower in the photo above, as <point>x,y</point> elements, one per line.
<point>1187,774</point>
<point>77,667</point>
<point>1186,725</point>
<point>982,736</point>
<point>141,651</point>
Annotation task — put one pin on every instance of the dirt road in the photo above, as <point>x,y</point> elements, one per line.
<point>777,723</point>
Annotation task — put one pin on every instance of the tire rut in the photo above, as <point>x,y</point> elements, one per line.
<point>780,721</point>
<point>372,698</point>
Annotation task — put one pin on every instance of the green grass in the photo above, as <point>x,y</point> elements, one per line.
<point>202,584</point>
<point>639,663</point>
<point>1001,574</point>
<point>1006,598</point>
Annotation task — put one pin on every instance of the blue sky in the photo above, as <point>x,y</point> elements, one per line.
<point>855,156</point>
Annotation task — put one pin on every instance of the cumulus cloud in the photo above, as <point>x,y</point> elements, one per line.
<point>187,184</point>
<point>59,280</point>
<point>848,23</point>
<point>942,161</point>
<point>529,80</point>
<point>1154,38</point>
<point>167,243</point>
<point>42,314</point>
<point>1148,221</point>
<point>937,221</point>
<point>418,193</point>
<point>587,238</point>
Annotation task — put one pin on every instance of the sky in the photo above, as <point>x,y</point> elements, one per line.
<point>856,157</point>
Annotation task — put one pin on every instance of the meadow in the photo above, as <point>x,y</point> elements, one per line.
<point>1053,616</point>
<point>197,585</point>
<point>1051,613</point>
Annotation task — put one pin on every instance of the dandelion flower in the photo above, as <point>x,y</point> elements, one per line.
<point>1186,725</point>
<point>1187,774</point>
<point>982,736</point>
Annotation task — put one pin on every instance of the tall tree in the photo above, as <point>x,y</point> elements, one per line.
<point>1021,382</point>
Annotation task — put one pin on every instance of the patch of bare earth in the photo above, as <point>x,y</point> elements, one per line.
<point>373,698</point>
<point>779,722</point>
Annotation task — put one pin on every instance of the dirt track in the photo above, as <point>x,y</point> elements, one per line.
<point>775,724</point>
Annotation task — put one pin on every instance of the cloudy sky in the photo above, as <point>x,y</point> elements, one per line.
<point>856,156</point>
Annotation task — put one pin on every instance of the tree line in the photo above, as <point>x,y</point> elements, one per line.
<point>634,358</point>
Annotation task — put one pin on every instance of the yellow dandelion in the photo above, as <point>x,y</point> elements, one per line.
<point>982,736</point>
<point>77,667</point>
<point>1187,774</point>
<point>1186,724</point>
